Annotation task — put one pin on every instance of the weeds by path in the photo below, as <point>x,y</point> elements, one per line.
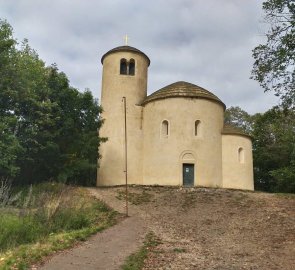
<point>135,198</point>
<point>48,218</point>
<point>136,260</point>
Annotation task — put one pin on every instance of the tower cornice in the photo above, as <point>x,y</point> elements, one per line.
<point>125,49</point>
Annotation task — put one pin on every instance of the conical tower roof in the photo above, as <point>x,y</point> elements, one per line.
<point>125,49</point>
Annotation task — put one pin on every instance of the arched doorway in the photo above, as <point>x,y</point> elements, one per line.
<point>188,169</point>
<point>188,174</point>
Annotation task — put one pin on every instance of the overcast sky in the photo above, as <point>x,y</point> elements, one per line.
<point>205,42</point>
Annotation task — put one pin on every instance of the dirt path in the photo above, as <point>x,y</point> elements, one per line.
<point>104,251</point>
<point>204,228</point>
<point>200,228</point>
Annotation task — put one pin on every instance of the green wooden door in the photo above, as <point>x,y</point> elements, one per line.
<point>188,174</point>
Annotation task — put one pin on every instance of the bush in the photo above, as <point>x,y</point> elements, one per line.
<point>70,219</point>
<point>47,209</point>
<point>15,231</point>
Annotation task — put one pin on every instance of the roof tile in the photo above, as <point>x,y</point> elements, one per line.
<point>182,89</point>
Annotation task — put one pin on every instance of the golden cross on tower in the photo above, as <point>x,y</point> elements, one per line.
<point>126,38</point>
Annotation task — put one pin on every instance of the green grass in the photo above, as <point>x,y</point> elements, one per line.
<point>25,255</point>
<point>285,195</point>
<point>48,218</point>
<point>15,231</point>
<point>136,260</point>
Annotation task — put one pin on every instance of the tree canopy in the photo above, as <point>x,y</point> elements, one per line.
<point>274,150</point>
<point>274,66</point>
<point>273,136</point>
<point>48,129</point>
<point>237,117</point>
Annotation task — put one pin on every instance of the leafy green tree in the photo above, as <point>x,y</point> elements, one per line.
<point>275,61</point>
<point>59,127</point>
<point>77,137</point>
<point>273,136</point>
<point>33,111</point>
<point>48,129</point>
<point>7,67</point>
<point>237,117</point>
<point>9,144</point>
<point>9,151</point>
<point>274,150</point>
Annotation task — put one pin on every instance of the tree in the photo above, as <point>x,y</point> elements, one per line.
<point>274,66</point>
<point>78,122</point>
<point>237,117</point>
<point>274,150</point>
<point>273,136</point>
<point>48,129</point>
<point>9,151</point>
<point>9,144</point>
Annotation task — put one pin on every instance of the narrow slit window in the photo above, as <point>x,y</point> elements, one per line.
<point>165,129</point>
<point>241,155</point>
<point>197,127</point>
<point>131,67</point>
<point>123,66</point>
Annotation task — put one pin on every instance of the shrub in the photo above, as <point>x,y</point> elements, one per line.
<point>47,209</point>
<point>6,197</point>
<point>15,231</point>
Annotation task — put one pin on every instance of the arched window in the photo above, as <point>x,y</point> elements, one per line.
<point>123,66</point>
<point>127,68</point>
<point>197,127</point>
<point>131,67</point>
<point>165,129</point>
<point>241,155</point>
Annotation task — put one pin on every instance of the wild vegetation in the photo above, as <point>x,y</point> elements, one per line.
<point>48,129</point>
<point>39,220</point>
<point>274,66</point>
<point>134,197</point>
<point>273,132</point>
<point>136,260</point>
<point>273,136</point>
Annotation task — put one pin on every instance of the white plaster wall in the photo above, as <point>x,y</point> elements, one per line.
<point>162,157</point>
<point>236,174</point>
<point>114,87</point>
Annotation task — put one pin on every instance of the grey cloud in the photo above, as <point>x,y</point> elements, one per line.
<point>208,43</point>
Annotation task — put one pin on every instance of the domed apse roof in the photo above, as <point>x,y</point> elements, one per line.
<point>232,130</point>
<point>125,49</point>
<point>182,89</point>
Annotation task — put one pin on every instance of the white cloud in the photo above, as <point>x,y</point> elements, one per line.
<point>208,43</point>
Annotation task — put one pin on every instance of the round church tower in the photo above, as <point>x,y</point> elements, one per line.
<point>124,75</point>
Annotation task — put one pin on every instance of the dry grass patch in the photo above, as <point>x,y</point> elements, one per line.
<point>135,198</point>
<point>136,260</point>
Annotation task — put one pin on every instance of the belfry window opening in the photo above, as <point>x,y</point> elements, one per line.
<point>131,67</point>
<point>123,66</point>
<point>127,67</point>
